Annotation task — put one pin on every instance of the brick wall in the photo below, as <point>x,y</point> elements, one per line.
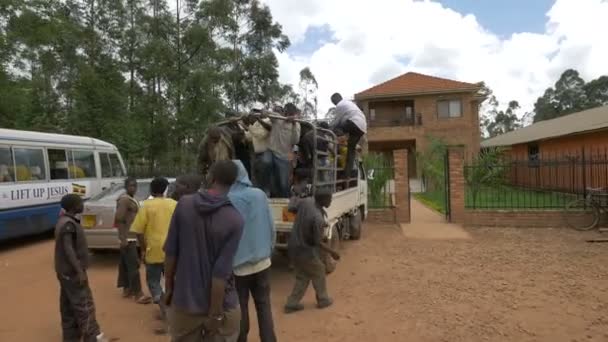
<point>455,131</point>
<point>402,186</point>
<point>456,175</point>
<point>518,218</point>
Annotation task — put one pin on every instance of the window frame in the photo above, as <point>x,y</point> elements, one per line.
<point>120,164</point>
<point>448,100</point>
<point>72,160</point>
<point>101,168</point>
<point>44,162</point>
<point>12,156</point>
<point>66,150</point>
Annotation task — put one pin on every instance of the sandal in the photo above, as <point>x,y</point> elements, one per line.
<point>143,299</point>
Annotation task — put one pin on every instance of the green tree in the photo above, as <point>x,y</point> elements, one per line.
<point>502,122</point>
<point>597,92</point>
<point>571,94</point>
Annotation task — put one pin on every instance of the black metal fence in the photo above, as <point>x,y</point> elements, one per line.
<point>537,182</point>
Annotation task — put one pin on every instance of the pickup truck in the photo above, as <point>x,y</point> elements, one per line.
<point>349,199</point>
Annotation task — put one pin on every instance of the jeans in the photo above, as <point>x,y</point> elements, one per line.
<point>308,270</point>
<point>128,269</point>
<point>280,177</point>
<point>263,170</point>
<point>258,285</point>
<point>77,309</point>
<point>154,275</point>
<point>354,135</point>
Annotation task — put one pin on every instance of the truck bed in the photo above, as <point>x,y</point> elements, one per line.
<point>343,202</point>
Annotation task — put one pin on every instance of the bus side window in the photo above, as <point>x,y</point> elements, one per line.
<point>82,164</point>
<point>106,168</point>
<point>7,169</point>
<point>117,170</point>
<point>58,164</point>
<point>29,164</point>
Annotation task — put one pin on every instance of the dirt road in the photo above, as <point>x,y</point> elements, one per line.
<point>494,285</point>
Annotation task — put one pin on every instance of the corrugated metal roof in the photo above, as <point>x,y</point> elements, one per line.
<point>415,83</point>
<point>588,120</point>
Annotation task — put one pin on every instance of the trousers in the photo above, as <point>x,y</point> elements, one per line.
<point>128,269</point>
<point>78,321</point>
<point>308,270</point>
<point>258,286</point>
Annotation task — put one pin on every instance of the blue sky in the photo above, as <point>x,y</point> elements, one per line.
<point>501,17</point>
<point>508,46</point>
<point>505,17</point>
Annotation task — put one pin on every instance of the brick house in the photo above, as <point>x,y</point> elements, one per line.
<point>404,111</point>
<point>566,153</point>
<point>566,135</point>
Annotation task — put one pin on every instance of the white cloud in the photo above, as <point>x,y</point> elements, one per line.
<point>372,39</point>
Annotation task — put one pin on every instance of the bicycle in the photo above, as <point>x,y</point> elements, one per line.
<point>585,213</point>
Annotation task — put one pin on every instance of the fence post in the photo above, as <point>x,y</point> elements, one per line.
<point>402,186</point>
<point>456,183</point>
<point>584,168</point>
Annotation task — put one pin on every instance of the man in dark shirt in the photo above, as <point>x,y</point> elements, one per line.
<point>200,248</point>
<point>78,320</point>
<point>128,267</point>
<point>305,245</point>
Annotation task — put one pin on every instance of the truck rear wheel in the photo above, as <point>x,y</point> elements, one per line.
<point>355,226</point>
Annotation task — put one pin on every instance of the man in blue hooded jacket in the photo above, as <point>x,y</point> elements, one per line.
<point>252,260</point>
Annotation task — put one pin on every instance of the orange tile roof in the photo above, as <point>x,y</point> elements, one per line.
<point>412,83</point>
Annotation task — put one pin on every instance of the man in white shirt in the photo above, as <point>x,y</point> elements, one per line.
<point>258,133</point>
<point>351,120</point>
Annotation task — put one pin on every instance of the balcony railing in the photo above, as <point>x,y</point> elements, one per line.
<point>398,121</point>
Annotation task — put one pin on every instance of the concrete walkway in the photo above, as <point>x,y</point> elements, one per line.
<point>429,224</point>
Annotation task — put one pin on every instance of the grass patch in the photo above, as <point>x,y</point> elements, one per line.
<point>434,200</point>
<point>501,197</point>
<point>504,197</point>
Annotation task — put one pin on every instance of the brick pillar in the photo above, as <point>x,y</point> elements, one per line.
<point>456,166</point>
<point>402,186</point>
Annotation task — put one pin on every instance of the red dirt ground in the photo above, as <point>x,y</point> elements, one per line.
<point>497,285</point>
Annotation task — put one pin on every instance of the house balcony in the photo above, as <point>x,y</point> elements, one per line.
<point>396,121</point>
<point>394,129</point>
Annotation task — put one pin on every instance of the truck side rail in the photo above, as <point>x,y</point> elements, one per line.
<point>324,173</point>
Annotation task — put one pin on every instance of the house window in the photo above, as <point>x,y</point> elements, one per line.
<point>372,114</point>
<point>449,109</point>
<point>409,114</point>
<point>533,155</point>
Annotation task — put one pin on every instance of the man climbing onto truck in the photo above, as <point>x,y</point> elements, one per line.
<point>351,120</point>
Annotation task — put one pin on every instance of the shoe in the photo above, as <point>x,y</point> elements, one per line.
<point>293,308</point>
<point>161,331</point>
<point>143,299</point>
<point>325,303</point>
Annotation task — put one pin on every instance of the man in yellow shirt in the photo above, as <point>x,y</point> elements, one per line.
<point>151,225</point>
